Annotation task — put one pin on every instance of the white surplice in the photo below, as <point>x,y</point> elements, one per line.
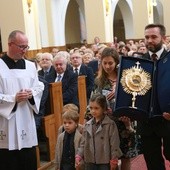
<point>18,129</point>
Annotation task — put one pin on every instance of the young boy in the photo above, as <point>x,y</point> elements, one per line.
<point>68,141</point>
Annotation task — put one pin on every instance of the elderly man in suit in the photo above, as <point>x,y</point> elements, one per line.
<point>81,69</point>
<point>46,65</point>
<point>67,77</point>
<point>155,132</point>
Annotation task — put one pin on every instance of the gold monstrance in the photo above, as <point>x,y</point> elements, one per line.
<point>136,81</point>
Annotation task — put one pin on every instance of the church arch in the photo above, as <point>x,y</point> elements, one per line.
<point>123,20</point>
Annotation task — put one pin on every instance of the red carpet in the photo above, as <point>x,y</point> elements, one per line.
<point>139,164</point>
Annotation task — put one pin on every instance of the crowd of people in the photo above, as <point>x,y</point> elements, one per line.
<point>103,140</point>
<point>101,64</point>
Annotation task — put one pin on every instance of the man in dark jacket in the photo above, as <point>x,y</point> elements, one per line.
<point>43,103</point>
<point>68,79</point>
<point>81,69</point>
<point>155,132</point>
<point>46,65</point>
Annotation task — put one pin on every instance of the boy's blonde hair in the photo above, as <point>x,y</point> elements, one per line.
<point>69,107</point>
<point>71,114</point>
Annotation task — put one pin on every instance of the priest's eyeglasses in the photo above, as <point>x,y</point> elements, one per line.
<point>22,47</point>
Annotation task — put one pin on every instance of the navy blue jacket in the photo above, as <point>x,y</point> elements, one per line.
<point>88,73</point>
<point>43,104</point>
<point>161,100</point>
<point>48,77</point>
<point>94,64</point>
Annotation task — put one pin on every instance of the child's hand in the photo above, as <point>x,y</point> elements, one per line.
<point>78,167</point>
<point>78,158</point>
<point>113,164</point>
<point>113,167</point>
<point>77,163</point>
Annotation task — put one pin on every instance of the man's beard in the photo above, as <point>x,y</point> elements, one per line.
<point>154,48</point>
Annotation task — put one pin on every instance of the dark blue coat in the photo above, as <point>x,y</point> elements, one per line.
<point>163,83</point>
<point>88,73</point>
<point>94,64</point>
<point>47,77</point>
<point>161,100</point>
<point>43,104</point>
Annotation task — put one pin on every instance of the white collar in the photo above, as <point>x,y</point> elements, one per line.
<point>62,74</point>
<point>158,53</point>
<point>78,68</point>
<point>47,70</point>
<point>56,79</point>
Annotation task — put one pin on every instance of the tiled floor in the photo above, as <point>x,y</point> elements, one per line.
<point>139,164</point>
<point>136,164</point>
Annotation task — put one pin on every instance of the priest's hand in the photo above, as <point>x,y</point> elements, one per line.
<point>166,115</point>
<point>29,93</point>
<point>23,95</point>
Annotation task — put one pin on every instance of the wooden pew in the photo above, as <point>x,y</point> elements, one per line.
<point>53,121</point>
<point>56,101</point>
<point>38,156</point>
<point>82,97</point>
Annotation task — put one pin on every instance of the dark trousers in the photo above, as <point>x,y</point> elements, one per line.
<point>91,166</point>
<point>67,167</point>
<point>24,159</point>
<point>154,147</point>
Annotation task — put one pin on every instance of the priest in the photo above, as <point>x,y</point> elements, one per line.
<point>20,95</point>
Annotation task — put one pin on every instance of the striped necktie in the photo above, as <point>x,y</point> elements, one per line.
<point>59,77</point>
<point>76,71</point>
<point>45,74</point>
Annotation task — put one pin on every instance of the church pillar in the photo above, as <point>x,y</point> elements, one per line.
<point>97,21</point>
<point>140,19</point>
<point>166,5</point>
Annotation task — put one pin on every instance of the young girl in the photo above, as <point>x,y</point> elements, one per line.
<point>68,142</point>
<point>100,146</point>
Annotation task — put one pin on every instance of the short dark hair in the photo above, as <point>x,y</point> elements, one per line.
<point>160,26</point>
